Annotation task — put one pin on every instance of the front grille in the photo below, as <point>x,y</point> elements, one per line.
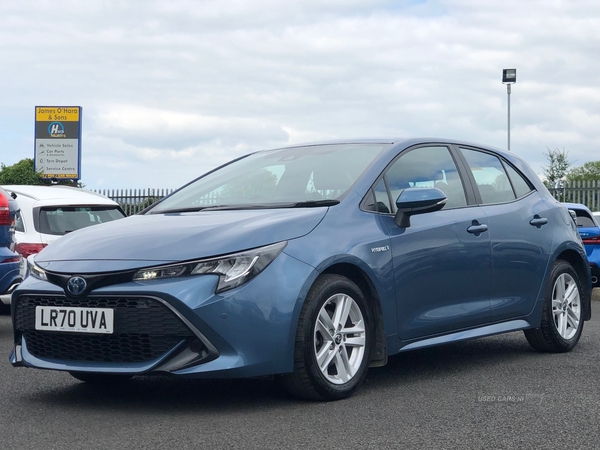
<point>144,329</point>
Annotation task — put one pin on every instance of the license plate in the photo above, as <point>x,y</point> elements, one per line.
<point>80,320</point>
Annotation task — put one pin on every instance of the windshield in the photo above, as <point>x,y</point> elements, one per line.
<point>299,176</point>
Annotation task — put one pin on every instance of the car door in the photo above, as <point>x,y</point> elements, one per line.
<point>441,262</point>
<point>521,240</point>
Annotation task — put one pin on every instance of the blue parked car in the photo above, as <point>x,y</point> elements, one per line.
<point>589,230</point>
<point>311,263</point>
<point>9,260</point>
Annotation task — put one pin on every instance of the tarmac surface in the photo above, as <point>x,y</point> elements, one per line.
<point>494,392</point>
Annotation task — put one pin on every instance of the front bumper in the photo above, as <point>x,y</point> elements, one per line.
<point>177,326</point>
<point>147,332</point>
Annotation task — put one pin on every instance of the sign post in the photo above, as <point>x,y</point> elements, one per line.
<point>58,142</point>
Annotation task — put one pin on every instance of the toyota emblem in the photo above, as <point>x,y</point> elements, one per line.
<point>76,286</point>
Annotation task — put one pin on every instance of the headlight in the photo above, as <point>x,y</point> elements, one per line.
<point>233,270</point>
<point>34,270</point>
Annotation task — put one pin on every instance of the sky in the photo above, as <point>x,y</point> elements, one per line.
<point>172,89</point>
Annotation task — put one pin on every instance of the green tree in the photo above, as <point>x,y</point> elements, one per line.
<point>23,172</point>
<point>20,173</point>
<point>590,171</point>
<point>558,166</point>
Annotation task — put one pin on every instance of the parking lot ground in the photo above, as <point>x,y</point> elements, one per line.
<point>489,393</point>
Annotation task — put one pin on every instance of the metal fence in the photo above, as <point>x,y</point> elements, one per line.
<point>586,192</point>
<point>134,200</point>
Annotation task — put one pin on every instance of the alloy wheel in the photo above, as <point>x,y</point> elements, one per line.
<point>566,306</point>
<point>339,339</point>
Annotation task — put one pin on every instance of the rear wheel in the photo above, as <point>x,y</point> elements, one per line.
<point>333,341</point>
<point>562,319</point>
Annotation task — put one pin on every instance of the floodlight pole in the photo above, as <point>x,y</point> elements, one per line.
<point>509,76</point>
<point>508,95</point>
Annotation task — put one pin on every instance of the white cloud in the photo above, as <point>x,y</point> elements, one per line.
<point>171,89</point>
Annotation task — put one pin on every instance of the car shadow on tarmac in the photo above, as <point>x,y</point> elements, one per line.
<point>146,393</point>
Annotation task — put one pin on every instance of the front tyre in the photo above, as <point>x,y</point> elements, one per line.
<point>333,341</point>
<point>562,320</point>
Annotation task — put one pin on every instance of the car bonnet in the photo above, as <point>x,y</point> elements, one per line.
<point>144,240</point>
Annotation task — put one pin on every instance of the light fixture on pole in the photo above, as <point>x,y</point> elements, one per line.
<point>509,76</point>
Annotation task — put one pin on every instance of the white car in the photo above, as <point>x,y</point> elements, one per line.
<point>48,212</point>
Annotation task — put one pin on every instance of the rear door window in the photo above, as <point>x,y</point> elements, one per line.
<point>490,176</point>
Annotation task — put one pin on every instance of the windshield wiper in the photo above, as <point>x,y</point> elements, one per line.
<point>304,204</point>
<point>177,210</point>
<point>313,203</point>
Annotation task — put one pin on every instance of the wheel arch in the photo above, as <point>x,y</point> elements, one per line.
<point>582,269</point>
<point>363,281</point>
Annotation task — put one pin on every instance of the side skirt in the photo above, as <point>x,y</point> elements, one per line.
<point>488,330</point>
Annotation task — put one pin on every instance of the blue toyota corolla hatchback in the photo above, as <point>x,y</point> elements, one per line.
<point>311,263</point>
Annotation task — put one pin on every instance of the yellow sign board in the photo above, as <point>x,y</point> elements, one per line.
<point>57,113</point>
<point>57,152</point>
<point>58,175</point>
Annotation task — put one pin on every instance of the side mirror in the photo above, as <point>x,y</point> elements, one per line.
<point>417,201</point>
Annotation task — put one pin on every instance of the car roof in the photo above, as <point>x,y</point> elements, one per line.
<point>57,194</point>
<point>397,141</point>
<point>401,142</point>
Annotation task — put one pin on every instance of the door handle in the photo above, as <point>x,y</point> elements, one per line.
<point>477,229</point>
<point>538,221</point>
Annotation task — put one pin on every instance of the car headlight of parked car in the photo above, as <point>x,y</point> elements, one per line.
<point>233,270</point>
<point>34,270</point>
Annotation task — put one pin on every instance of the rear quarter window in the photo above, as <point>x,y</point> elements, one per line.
<point>520,184</point>
<point>19,225</point>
